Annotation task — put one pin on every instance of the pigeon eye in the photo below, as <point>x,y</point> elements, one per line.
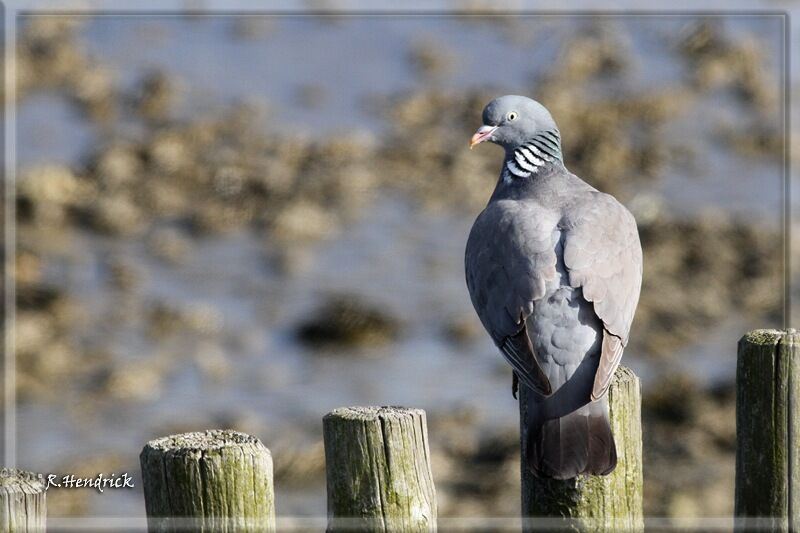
<point>511,116</point>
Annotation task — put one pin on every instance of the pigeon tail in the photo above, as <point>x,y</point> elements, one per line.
<point>578,443</point>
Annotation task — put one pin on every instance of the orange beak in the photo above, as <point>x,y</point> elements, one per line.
<point>483,134</point>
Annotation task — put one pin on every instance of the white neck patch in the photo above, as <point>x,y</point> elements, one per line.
<point>528,158</point>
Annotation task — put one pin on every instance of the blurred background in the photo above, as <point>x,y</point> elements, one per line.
<point>246,221</point>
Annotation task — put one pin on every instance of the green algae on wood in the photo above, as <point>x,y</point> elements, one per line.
<point>767,431</point>
<point>379,477</point>
<point>23,505</point>
<point>593,503</point>
<point>214,480</point>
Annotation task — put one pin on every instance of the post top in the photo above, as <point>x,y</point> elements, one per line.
<point>767,336</point>
<point>623,374</point>
<point>13,480</point>
<point>210,439</point>
<point>374,412</point>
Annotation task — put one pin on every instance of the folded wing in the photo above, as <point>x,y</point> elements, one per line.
<point>603,255</point>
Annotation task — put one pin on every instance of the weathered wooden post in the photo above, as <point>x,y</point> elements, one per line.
<point>215,480</point>
<point>22,501</point>
<point>593,503</point>
<point>767,431</point>
<point>378,469</point>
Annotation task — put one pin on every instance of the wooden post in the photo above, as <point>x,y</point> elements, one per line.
<point>378,469</point>
<point>22,501</point>
<point>767,429</point>
<point>216,480</point>
<point>593,503</point>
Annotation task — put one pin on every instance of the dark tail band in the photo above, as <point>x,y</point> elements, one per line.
<point>571,445</point>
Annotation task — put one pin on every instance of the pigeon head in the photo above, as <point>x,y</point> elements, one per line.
<point>512,120</point>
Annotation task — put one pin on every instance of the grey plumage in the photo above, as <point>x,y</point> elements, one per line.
<point>554,270</point>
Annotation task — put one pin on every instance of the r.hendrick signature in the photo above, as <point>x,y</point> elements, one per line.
<point>99,482</point>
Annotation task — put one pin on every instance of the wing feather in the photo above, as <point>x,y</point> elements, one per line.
<point>518,351</point>
<point>603,255</point>
<point>509,259</point>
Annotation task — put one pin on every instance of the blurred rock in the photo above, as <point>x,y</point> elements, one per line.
<point>700,271</point>
<point>93,91</point>
<point>346,321</point>
<point>676,400</point>
<point>430,59</point>
<point>689,441</point>
<point>37,297</point>
<point>303,221</point>
<point>720,62</point>
<point>139,381</point>
<point>123,275</point>
<point>31,332</point>
<point>647,208</point>
<point>596,51</point>
<point>166,319</point>
<point>168,153</point>
<point>118,214</point>
<point>213,362</point>
<point>28,268</point>
<point>50,56</point>
<point>215,217</point>
<point>462,330</point>
<point>169,245</point>
<point>478,480</point>
<point>48,192</point>
<point>298,466</point>
<point>205,319</point>
<point>116,167</point>
<point>155,96</point>
<point>757,140</point>
<point>291,260</point>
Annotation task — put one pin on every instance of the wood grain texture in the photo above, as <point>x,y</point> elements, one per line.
<point>593,503</point>
<point>22,501</point>
<point>216,480</point>
<point>378,470</point>
<point>767,430</point>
